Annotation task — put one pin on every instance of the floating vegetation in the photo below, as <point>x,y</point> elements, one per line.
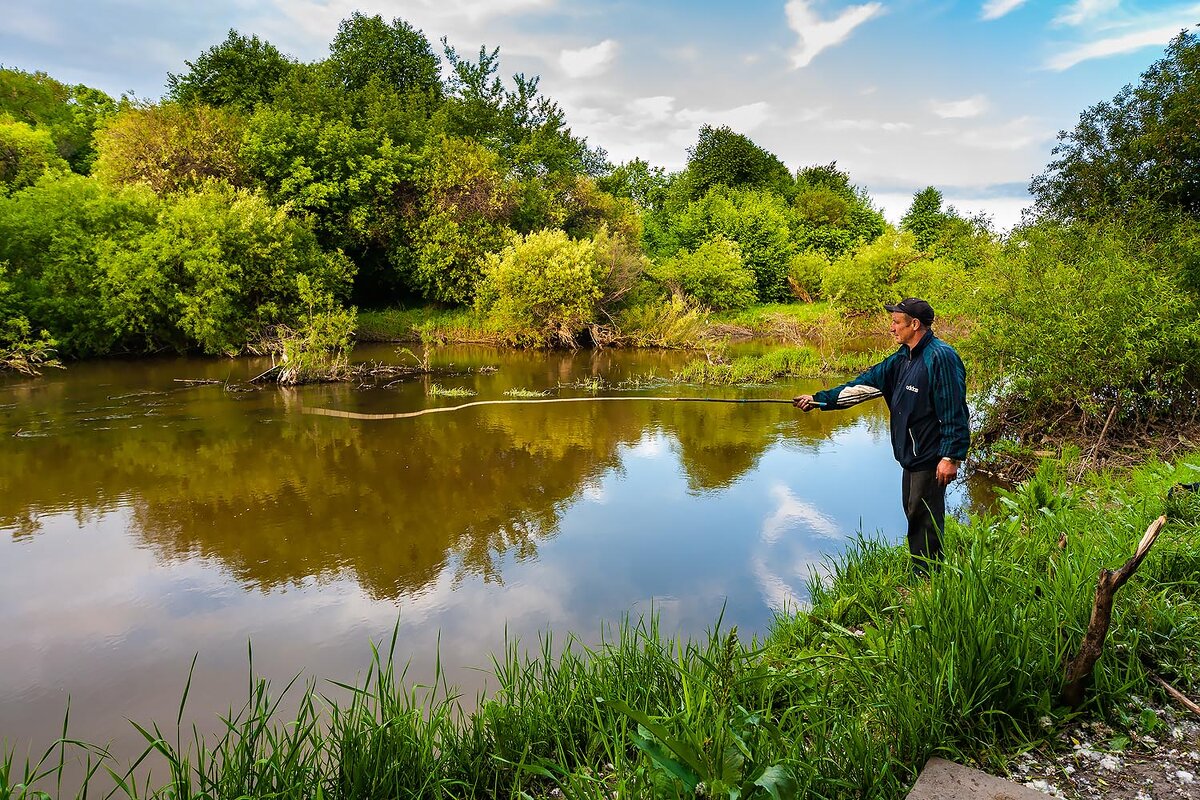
<point>526,393</point>
<point>437,390</point>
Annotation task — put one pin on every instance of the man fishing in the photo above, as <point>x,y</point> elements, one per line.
<point>924,386</point>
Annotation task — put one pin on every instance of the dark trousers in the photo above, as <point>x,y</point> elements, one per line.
<point>925,508</point>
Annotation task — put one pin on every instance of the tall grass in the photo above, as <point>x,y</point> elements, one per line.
<point>794,362</point>
<point>847,698</point>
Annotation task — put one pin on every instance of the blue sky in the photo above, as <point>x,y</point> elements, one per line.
<point>966,95</point>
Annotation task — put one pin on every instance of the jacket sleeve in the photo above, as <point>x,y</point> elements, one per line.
<point>866,386</point>
<point>950,402</point>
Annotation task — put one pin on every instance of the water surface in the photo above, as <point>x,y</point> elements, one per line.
<point>144,521</point>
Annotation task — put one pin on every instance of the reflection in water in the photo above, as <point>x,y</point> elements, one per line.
<point>146,520</point>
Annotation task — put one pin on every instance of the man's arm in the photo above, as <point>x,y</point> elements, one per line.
<point>866,386</point>
<point>949,379</point>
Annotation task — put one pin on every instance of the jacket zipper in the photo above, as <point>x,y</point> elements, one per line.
<point>914,443</point>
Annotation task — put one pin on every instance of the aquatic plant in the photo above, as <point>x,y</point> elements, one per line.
<point>437,390</point>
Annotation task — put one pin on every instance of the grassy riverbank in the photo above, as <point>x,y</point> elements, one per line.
<point>845,699</point>
<point>817,322</point>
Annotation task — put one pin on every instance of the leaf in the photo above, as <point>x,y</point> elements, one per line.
<point>680,748</point>
<point>658,754</point>
<point>778,782</point>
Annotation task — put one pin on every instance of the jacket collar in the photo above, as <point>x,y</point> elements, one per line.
<point>919,346</point>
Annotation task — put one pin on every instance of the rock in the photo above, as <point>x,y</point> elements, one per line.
<point>945,780</point>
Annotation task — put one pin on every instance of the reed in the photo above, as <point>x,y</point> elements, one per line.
<point>845,698</point>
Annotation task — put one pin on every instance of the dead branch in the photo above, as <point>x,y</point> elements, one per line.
<point>1176,695</point>
<point>1079,670</point>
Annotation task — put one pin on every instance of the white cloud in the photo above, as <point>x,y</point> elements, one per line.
<point>588,62</point>
<point>1082,11</point>
<point>656,109</point>
<point>995,9</point>
<point>1016,134</point>
<point>960,109</point>
<point>742,119</point>
<point>1112,46</point>
<point>817,34</point>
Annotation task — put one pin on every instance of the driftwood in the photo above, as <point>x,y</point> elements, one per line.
<point>1079,670</point>
<point>1176,695</point>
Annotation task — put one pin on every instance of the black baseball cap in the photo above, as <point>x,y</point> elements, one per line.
<point>916,308</point>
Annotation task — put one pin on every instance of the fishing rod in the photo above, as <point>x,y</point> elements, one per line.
<point>333,412</point>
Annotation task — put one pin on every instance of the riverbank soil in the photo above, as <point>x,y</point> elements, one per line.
<point>1158,758</point>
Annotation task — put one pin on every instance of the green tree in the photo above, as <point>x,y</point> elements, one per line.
<point>527,129</point>
<point>398,54</point>
<point>343,175</point>
<point>722,157</point>
<point>646,186</point>
<point>69,113</point>
<point>26,154</point>
<point>219,267</point>
<point>171,147</point>
<point>925,218</point>
<point>461,216</point>
<point>241,72</point>
<point>53,235</point>
<point>832,216</point>
<point>760,223</point>
<point>1138,153</point>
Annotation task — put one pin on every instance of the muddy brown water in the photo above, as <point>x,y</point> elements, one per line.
<point>145,521</point>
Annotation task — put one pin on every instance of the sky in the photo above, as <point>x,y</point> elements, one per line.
<point>963,95</point>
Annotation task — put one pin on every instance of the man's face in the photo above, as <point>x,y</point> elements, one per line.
<point>905,329</point>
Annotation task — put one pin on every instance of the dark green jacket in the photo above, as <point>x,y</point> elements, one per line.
<point>926,392</point>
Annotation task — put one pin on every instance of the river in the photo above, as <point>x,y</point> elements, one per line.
<point>145,521</point>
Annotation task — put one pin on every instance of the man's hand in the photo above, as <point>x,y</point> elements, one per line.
<point>804,402</point>
<point>947,470</point>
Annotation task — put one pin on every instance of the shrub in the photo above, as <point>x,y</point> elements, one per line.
<point>463,216</point>
<point>805,271</point>
<point>542,290</point>
<point>758,221</point>
<point>714,275</point>
<point>53,236</point>
<point>674,323</point>
<point>318,349</point>
<point>1078,317</point>
<point>218,269</point>
<point>868,278</point>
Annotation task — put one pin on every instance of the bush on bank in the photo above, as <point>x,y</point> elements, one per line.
<point>847,698</point>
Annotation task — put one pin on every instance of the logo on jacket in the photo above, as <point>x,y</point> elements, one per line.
<point>912,388</point>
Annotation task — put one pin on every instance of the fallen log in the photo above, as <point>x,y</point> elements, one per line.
<point>1079,669</point>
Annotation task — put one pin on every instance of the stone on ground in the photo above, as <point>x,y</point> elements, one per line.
<point>945,780</point>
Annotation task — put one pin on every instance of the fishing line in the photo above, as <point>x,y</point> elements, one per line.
<point>333,412</point>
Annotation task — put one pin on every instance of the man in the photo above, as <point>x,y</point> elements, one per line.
<point>924,386</point>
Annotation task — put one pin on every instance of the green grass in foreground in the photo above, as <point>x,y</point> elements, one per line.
<point>846,699</point>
